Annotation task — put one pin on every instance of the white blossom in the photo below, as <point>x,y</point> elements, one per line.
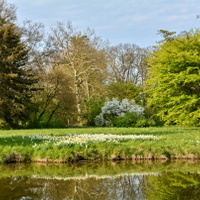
<point>86,138</point>
<point>117,108</point>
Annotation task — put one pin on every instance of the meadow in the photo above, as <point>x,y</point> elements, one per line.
<point>98,144</point>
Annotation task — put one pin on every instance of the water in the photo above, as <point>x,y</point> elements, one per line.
<point>101,181</point>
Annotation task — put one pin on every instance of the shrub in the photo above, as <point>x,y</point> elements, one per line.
<point>130,119</point>
<point>113,113</point>
<point>91,109</point>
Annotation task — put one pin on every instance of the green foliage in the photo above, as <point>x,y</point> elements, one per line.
<point>55,123</point>
<point>123,91</point>
<point>174,79</point>
<point>15,79</point>
<point>172,185</point>
<point>91,109</point>
<point>114,109</point>
<point>130,119</point>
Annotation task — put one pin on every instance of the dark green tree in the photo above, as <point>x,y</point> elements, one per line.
<point>174,79</point>
<point>16,80</point>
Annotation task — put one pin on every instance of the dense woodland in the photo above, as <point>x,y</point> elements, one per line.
<point>65,77</point>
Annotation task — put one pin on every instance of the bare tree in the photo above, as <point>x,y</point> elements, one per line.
<point>127,64</point>
<point>7,12</point>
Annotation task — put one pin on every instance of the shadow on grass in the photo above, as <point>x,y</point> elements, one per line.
<point>19,141</point>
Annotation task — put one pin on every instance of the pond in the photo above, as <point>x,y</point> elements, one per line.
<point>145,180</point>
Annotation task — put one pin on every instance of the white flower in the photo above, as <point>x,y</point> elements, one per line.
<point>86,138</point>
<point>117,108</point>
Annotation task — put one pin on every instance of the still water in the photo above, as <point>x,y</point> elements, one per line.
<point>178,180</point>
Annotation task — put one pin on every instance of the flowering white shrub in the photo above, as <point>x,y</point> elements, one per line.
<point>100,121</point>
<point>116,108</point>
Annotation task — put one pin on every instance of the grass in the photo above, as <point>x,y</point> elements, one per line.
<point>75,144</point>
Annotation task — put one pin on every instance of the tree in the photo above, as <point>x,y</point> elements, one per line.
<point>16,80</point>
<point>127,69</point>
<point>123,91</point>
<point>52,101</point>
<point>172,185</point>
<point>174,79</point>
<point>83,61</point>
<point>127,64</point>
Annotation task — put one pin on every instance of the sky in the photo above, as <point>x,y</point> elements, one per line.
<point>118,21</point>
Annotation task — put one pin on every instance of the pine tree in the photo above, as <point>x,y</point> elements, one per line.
<point>15,79</point>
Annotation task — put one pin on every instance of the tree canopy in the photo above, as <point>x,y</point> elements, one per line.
<point>77,73</point>
<point>15,79</point>
<point>174,79</point>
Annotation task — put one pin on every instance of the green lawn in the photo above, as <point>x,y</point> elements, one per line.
<point>74,144</point>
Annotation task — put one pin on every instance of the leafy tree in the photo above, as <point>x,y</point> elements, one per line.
<point>92,108</point>
<point>50,102</point>
<point>174,79</point>
<point>123,91</point>
<point>16,79</point>
<point>167,35</point>
<point>83,61</point>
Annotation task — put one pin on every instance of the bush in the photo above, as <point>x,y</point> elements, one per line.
<point>100,121</point>
<point>130,119</point>
<point>91,109</point>
<point>114,113</point>
<point>43,124</point>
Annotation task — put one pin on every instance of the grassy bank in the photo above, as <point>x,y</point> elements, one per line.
<point>75,144</point>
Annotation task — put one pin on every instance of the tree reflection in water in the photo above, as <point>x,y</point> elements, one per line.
<point>172,186</point>
<point>122,187</point>
<point>57,182</point>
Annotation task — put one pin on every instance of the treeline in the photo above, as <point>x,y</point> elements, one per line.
<point>64,77</point>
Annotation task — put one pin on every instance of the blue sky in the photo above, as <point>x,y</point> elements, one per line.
<point>119,21</point>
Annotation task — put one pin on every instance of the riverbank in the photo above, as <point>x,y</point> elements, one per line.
<point>98,144</point>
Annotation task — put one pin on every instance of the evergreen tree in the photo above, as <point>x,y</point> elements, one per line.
<point>16,79</point>
<point>174,79</point>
